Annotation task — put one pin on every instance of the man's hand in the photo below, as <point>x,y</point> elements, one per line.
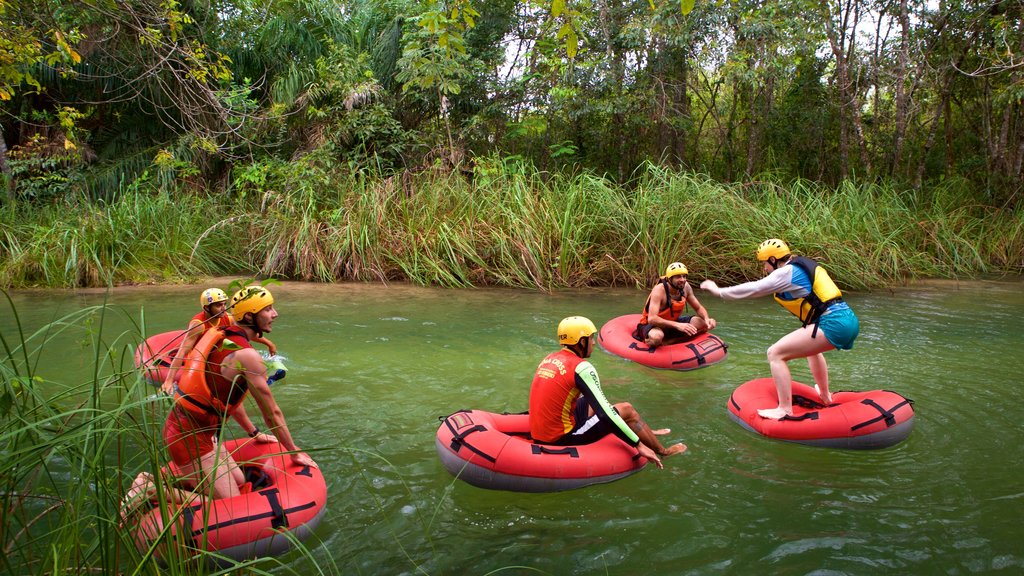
<point>687,328</point>
<point>650,455</point>
<point>710,286</point>
<point>303,459</point>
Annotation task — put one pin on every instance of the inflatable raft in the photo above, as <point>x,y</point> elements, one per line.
<point>495,451</point>
<point>856,420</point>
<point>285,503</point>
<point>155,354</point>
<point>616,337</point>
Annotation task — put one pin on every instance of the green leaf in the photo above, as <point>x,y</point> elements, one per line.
<point>557,7</point>
<point>686,6</point>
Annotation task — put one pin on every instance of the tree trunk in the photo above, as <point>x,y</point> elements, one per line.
<point>5,167</point>
<point>902,66</point>
<point>848,99</point>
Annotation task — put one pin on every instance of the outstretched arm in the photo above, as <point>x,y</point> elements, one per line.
<point>192,334</point>
<point>256,376</point>
<point>698,309</point>
<point>590,385</point>
<point>266,342</point>
<point>779,280</point>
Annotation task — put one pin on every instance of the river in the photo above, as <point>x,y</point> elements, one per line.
<point>373,367</point>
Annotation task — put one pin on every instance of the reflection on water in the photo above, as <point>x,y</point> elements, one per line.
<point>372,368</point>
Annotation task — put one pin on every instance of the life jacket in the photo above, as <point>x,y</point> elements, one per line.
<point>222,321</point>
<point>202,390</point>
<point>823,294</point>
<point>674,309</point>
<point>553,396</point>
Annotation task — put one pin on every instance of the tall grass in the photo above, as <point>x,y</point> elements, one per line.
<point>69,451</point>
<point>507,225</point>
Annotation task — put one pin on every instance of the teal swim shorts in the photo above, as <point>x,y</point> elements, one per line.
<point>840,326</point>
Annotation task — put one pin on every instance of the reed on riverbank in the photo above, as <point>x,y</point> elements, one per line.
<point>505,224</point>
<point>68,452</point>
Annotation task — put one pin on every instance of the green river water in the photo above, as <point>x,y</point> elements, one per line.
<point>373,367</point>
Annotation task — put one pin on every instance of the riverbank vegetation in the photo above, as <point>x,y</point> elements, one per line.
<point>505,224</point>
<point>69,451</point>
<point>539,144</point>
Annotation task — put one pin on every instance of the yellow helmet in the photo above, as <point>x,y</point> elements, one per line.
<point>571,329</point>
<point>772,247</point>
<point>675,269</point>
<point>250,299</point>
<point>212,296</point>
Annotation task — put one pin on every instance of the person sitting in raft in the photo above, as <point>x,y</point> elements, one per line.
<point>663,320</point>
<point>567,406</point>
<point>214,314</point>
<point>804,288</point>
<point>203,398</point>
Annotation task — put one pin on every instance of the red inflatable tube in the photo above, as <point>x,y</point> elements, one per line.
<point>494,451</point>
<point>616,337</point>
<point>857,420</point>
<point>155,354</point>
<point>263,522</point>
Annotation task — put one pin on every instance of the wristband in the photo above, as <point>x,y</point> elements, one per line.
<point>254,432</point>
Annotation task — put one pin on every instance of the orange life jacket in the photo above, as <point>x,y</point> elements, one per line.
<point>202,390</point>
<point>674,309</point>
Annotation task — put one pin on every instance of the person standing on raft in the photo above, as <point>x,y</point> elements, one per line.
<point>567,406</point>
<point>804,288</point>
<point>224,369</point>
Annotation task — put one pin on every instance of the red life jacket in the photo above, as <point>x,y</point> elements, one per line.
<point>223,321</point>
<point>553,396</point>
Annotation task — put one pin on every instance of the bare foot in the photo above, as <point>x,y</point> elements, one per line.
<point>773,413</point>
<point>661,431</point>
<point>674,449</point>
<point>826,400</point>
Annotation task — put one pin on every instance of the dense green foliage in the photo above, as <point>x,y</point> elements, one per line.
<point>524,144</point>
<point>507,225</point>
<point>97,93</point>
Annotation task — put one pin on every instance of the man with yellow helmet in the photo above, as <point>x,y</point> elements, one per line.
<point>663,320</point>
<point>805,289</point>
<point>220,372</point>
<point>214,303</point>
<point>568,407</point>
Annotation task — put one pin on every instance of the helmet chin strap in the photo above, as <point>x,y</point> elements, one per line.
<point>251,325</point>
<point>580,347</point>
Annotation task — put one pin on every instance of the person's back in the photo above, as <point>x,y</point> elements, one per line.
<point>553,395</point>
<point>568,407</point>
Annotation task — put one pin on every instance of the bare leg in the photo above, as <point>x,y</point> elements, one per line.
<point>655,337</point>
<point>796,344</point>
<point>224,472</point>
<point>647,436</point>
<point>819,371</point>
<point>699,324</point>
